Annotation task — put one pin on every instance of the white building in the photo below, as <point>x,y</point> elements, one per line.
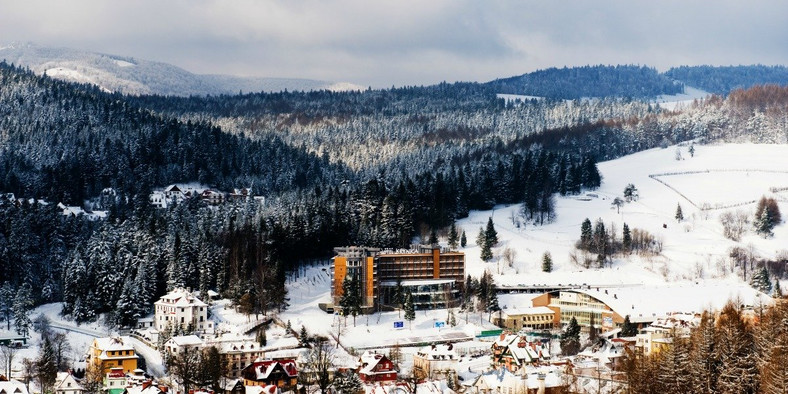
<point>436,362</point>
<point>12,387</point>
<point>179,308</point>
<point>65,383</point>
<point>179,344</point>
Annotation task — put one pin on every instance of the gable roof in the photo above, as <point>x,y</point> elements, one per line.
<point>261,370</point>
<point>369,361</point>
<point>12,387</point>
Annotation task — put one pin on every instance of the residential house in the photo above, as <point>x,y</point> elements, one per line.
<point>115,381</point>
<point>528,380</point>
<point>280,373</point>
<point>65,383</point>
<point>181,309</point>
<point>436,362</point>
<point>376,368</point>
<point>514,352</point>
<point>112,352</point>
<point>146,387</point>
<point>181,343</point>
<point>269,389</point>
<point>12,387</point>
<point>234,386</point>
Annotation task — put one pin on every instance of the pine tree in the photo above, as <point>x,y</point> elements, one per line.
<point>481,238</point>
<point>23,302</point>
<point>410,311</point>
<point>463,239</point>
<point>492,303</point>
<point>570,338</point>
<point>761,280</point>
<point>453,237</point>
<point>303,337</point>
<point>490,235</point>
<point>7,294</point>
<point>679,214</point>
<point>628,329</point>
<point>399,296</point>
<point>778,292</point>
<point>46,366</point>
<point>486,252</point>
<point>348,383</point>
<point>585,234</point>
<point>631,193</point>
<point>626,240</point>
<point>547,262</point>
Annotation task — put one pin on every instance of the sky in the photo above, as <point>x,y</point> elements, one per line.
<point>406,42</point>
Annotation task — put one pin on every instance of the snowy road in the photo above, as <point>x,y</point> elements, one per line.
<point>81,330</point>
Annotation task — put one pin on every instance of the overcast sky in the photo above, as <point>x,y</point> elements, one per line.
<point>406,42</point>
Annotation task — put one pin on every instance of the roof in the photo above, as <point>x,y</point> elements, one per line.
<point>369,361</point>
<point>151,389</point>
<point>646,303</point>
<point>63,379</point>
<point>438,352</point>
<point>12,387</point>
<point>187,340</point>
<point>267,389</point>
<point>535,310</point>
<point>262,369</point>
<point>113,343</point>
<point>180,297</point>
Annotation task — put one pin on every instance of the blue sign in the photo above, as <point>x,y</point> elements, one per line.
<point>440,324</point>
<point>399,324</point>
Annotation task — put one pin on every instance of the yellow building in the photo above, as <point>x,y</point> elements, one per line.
<point>113,352</point>
<point>537,318</point>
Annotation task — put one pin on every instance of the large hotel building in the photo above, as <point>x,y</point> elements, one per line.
<point>432,275</point>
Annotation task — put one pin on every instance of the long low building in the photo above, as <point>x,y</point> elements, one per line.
<point>606,308</point>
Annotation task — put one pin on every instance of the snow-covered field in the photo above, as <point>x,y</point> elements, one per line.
<point>676,101</point>
<point>693,249</point>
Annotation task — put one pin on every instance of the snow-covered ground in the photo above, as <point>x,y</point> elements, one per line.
<point>672,102</point>
<point>694,249</point>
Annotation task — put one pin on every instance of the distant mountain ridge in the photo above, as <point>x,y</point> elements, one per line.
<point>132,76</point>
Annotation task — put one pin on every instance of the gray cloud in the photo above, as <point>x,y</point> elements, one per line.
<point>406,42</point>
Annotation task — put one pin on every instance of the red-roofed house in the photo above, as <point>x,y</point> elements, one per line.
<point>374,367</point>
<point>280,373</point>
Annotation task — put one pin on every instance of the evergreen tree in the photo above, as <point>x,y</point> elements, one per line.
<point>679,214</point>
<point>7,295</point>
<point>674,367</point>
<point>585,234</point>
<point>303,337</point>
<point>350,301</point>
<point>481,238</point>
<point>46,366</point>
<point>433,237</point>
<point>399,296</point>
<point>490,235</point>
<point>453,237</point>
<point>547,262</point>
<point>628,329</point>
<point>410,311</point>
<point>463,239</point>
<point>23,302</point>
<point>570,338</point>
<point>492,303</point>
<point>631,193</point>
<point>348,383</point>
<point>761,280</point>
<point>767,215</point>
<point>486,252</point>
<point>626,241</point>
<point>778,292</point>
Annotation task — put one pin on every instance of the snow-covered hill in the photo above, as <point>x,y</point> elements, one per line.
<point>721,178</point>
<point>134,76</point>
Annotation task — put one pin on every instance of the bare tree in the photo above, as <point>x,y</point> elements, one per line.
<point>316,370</point>
<point>62,348</point>
<point>7,355</point>
<point>509,255</point>
<point>185,367</point>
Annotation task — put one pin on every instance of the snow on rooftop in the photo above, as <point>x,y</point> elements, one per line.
<point>662,300</point>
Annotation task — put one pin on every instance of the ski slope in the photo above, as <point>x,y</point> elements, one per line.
<point>695,249</point>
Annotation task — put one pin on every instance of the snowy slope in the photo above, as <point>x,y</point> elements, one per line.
<point>135,76</point>
<point>718,175</point>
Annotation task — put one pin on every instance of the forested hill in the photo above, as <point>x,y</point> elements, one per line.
<point>724,79</point>
<point>589,81</point>
<point>67,142</point>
